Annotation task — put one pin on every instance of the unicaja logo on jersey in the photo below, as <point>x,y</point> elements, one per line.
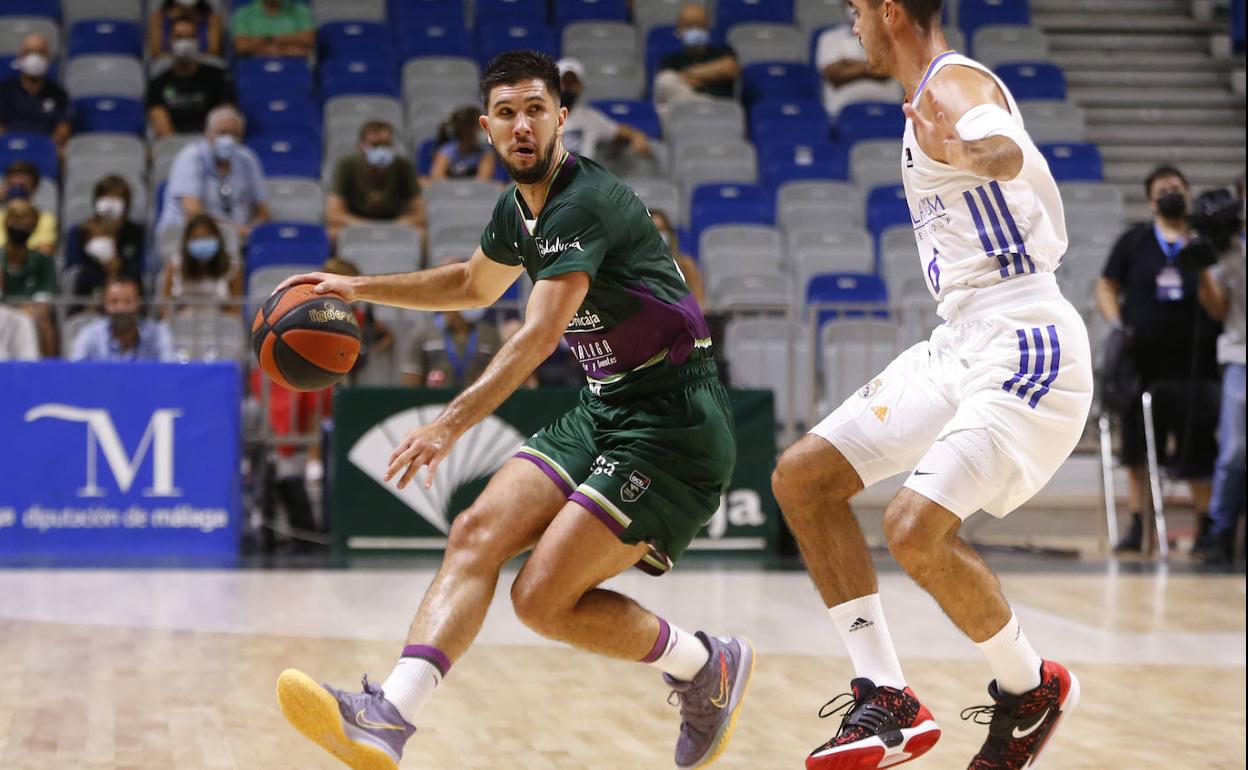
<point>546,247</point>
<point>586,319</point>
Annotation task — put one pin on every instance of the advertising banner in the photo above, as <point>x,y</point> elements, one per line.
<point>119,459</point>
<point>367,514</point>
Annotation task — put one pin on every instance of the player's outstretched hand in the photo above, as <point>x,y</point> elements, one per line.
<point>424,445</point>
<point>325,282</point>
<point>938,136</point>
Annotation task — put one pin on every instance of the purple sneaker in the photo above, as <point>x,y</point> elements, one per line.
<point>711,703</point>
<point>362,729</point>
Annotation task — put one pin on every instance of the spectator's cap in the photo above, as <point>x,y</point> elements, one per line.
<point>574,66</point>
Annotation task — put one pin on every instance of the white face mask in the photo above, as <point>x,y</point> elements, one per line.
<point>110,208</point>
<point>223,146</point>
<point>103,248</point>
<point>187,3</point>
<point>184,48</point>
<point>33,65</point>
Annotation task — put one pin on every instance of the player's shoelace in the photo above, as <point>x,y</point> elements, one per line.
<point>995,751</point>
<point>856,713</point>
<point>697,715</point>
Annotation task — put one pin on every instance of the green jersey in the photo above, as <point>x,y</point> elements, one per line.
<point>639,323</point>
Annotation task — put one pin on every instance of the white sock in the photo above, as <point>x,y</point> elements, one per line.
<point>414,678</point>
<point>1014,663</point>
<point>865,633</point>
<point>677,653</point>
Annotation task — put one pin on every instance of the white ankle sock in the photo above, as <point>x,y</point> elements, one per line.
<point>414,678</point>
<point>865,633</point>
<point>677,653</point>
<point>1014,663</point>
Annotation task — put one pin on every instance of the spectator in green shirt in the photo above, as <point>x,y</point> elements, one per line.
<point>273,28</point>
<point>29,276</point>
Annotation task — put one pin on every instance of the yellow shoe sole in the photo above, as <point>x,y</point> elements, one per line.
<point>314,712</point>
<point>722,745</point>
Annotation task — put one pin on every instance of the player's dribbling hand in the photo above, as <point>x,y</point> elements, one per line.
<point>425,445</point>
<point>938,137</point>
<point>324,282</point>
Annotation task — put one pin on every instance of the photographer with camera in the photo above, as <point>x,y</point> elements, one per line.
<point>1218,254</point>
<point>1169,340</point>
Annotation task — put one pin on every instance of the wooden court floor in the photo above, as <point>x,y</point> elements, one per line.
<point>175,671</point>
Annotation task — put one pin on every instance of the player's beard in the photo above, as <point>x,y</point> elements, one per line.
<point>538,171</point>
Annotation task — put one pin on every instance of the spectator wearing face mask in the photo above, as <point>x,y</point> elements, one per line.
<point>1147,293</point>
<point>462,149</point>
<point>106,244</point>
<point>180,98</point>
<point>273,28</point>
<point>203,273</point>
<point>21,182</point>
<point>218,176</point>
<point>587,127</point>
<point>700,70</point>
<point>30,102</point>
<point>29,274</point>
<point>688,268</point>
<point>375,185</point>
<point>453,352</point>
<point>123,334</point>
<point>199,13</point>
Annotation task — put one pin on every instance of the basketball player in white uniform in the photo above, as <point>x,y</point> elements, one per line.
<point>981,415</point>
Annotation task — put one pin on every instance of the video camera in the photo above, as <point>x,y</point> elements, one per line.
<point>1216,219</point>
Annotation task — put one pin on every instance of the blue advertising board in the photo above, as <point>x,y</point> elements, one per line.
<point>119,459</point>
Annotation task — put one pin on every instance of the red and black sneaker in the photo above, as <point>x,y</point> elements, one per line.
<point>1020,726</point>
<point>882,727</point>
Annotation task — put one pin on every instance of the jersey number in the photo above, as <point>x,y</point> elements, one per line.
<point>933,271</point>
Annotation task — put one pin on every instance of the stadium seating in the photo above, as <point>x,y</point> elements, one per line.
<point>293,154</point>
<point>351,39</point>
<point>509,11</point>
<point>109,114</point>
<point>104,36</point>
<point>766,43</point>
<point>851,352</point>
<point>1074,162</point>
<point>118,10</point>
<point>717,204</point>
<point>50,9</point>
<point>998,44</point>
<point>495,35</point>
<point>1033,80</point>
<point>973,14</point>
<point>616,40</point>
<point>730,13</point>
<point>287,243</point>
<point>782,163</point>
<point>260,80</point>
<point>870,120</point>
<point>886,206</point>
<point>36,148</point>
<point>293,199</point>
<point>104,75</point>
<point>569,11</point>
<point>329,11</point>
<point>778,81</point>
<point>827,292</point>
<point>358,75</point>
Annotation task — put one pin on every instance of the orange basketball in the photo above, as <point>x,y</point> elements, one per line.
<point>305,340</point>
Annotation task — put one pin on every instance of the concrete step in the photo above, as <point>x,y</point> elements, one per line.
<point>1185,134</point>
<point>1182,154</point>
<point>1085,42</point>
<point>1111,77</point>
<point>1167,61</point>
<point>1230,115</point>
<point>1185,98</point>
<point>1200,174</point>
<point>1116,22</point>
<point>1156,7</point>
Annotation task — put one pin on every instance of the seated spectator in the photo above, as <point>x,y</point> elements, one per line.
<point>203,272</point>
<point>842,63</point>
<point>587,126</point>
<point>273,28</point>
<point>123,334</point>
<point>21,182</point>
<point>180,98</point>
<point>106,244</point>
<point>376,337</point>
<point>453,352</point>
<point>30,102</point>
<point>29,274</point>
<point>688,268</point>
<point>462,151</point>
<point>18,339</point>
<point>199,13</point>
<point>700,71</point>
<point>376,185</point>
<point>218,176</point>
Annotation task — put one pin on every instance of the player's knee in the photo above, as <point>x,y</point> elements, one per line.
<point>472,536</point>
<point>803,472</point>
<point>912,539</point>
<point>535,605</point>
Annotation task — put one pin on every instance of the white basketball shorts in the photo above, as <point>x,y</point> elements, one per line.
<point>985,411</point>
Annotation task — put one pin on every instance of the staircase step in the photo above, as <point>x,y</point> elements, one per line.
<point>1200,174</point>
<point>1178,154</point>
<point>1172,61</point>
<point>1123,22</point>
<point>1125,134</point>
<point>1232,115</point>
<point>1112,77</point>
<point>1093,97</point>
<point>1174,7</point>
<point>1085,42</point>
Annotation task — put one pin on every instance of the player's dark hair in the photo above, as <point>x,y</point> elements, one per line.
<point>924,12</point>
<point>1161,172</point>
<point>517,66</point>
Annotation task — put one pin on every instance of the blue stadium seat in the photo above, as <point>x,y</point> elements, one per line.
<point>36,148</point>
<point>731,12</point>
<point>1034,80</point>
<point>287,243</point>
<point>778,81</point>
<point>113,114</point>
<point>636,113</point>
<point>105,36</point>
<point>661,41</point>
<point>443,11</point>
<point>973,14</point>
<point>720,204</point>
<point>847,288</point>
<point>805,121</point>
<point>568,11</point>
<point>870,120</point>
<point>50,9</point>
<point>887,206</point>
<point>261,80</point>
<point>780,163</point>
<point>527,12</point>
<point>434,36</point>
<point>358,75</point>
<point>289,154</point>
<point>277,116</point>
<point>1237,25</point>
<point>1074,162</point>
<point>8,69</point>
<point>495,37</point>
<point>424,156</point>
<point>346,39</point>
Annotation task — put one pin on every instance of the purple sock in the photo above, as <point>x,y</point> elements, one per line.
<point>431,655</point>
<point>660,644</point>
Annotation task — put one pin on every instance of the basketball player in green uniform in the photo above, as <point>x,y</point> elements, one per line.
<point>627,478</point>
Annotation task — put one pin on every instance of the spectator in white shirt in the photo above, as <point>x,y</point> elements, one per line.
<point>18,340</point>
<point>846,78</point>
<point>587,126</point>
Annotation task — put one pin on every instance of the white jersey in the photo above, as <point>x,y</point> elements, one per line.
<point>974,232</point>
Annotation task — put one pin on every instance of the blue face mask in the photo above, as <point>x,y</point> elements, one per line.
<point>17,192</point>
<point>203,249</point>
<point>379,156</point>
<point>695,37</point>
<point>223,147</point>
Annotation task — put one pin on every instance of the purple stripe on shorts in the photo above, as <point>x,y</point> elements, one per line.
<point>430,654</point>
<point>660,644</point>
<point>563,485</point>
<point>601,513</point>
